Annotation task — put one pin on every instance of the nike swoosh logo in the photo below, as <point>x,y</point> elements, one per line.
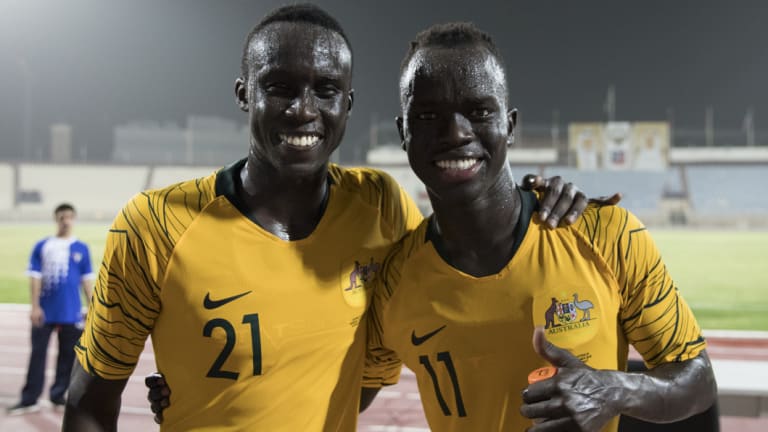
<point>213,304</point>
<point>418,340</point>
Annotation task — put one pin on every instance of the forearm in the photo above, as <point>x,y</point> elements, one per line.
<point>34,291</point>
<point>669,392</point>
<point>87,286</point>
<point>93,403</point>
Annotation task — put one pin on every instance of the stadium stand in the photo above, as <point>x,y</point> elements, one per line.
<point>165,175</point>
<point>6,187</point>
<point>692,194</point>
<point>642,190</point>
<point>98,191</point>
<point>719,190</point>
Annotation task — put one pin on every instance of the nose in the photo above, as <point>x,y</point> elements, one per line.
<point>303,107</point>
<point>457,131</point>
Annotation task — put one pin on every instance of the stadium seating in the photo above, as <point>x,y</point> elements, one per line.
<point>642,190</point>
<point>97,191</point>
<point>165,175</point>
<point>6,187</point>
<point>728,190</point>
<point>716,192</point>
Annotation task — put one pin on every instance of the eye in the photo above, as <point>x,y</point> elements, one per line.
<point>426,116</point>
<point>277,88</point>
<point>480,113</point>
<point>327,91</point>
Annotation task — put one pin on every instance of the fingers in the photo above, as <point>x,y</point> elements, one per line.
<point>37,320</point>
<point>532,182</point>
<point>607,200</point>
<point>155,379</point>
<point>546,409</point>
<point>551,353</point>
<point>552,188</point>
<point>569,207</point>
<point>554,425</point>
<point>539,392</point>
<point>157,407</point>
<point>158,394</point>
<point>539,340</point>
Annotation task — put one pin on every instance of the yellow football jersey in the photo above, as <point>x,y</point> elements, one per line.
<point>250,331</point>
<point>596,287</point>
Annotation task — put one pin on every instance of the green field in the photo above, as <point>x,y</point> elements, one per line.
<point>17,242</point>
<point>722,274</point>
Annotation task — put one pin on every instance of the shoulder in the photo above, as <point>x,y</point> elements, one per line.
<point>371,184</point>
<point>79,244</point>
<point>39,244</point>
<point>166,212</point>
<point>602,224</point>
<point>190,195</point>
<point>403,253</point>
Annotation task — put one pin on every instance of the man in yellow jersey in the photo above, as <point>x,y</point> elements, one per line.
<point>243,278</point>
<point>457,300</point>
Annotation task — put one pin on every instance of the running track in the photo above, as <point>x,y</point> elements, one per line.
<point>396,409</point>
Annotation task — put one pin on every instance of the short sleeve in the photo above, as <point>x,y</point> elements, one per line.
<point>35,267</point>
<point>654,316</point>
<point>402,212</point>
<point>125,300</point>
<point>382,364</point>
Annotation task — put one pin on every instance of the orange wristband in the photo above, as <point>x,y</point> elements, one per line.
<point>541,374</point>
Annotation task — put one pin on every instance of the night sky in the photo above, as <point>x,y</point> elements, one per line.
<point>96,64</point>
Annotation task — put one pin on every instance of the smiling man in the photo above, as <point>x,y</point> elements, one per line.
<point>253,281</point>
<point>242,277</point>
<point>459,298</point>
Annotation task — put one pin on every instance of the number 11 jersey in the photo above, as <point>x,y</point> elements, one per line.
<point>595,287</point>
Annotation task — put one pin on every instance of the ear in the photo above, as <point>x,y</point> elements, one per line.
<point>351,101</point>
<point>241,94</point>
<point>512,119</point>
<point>511,124</point>
<point>399,123</point>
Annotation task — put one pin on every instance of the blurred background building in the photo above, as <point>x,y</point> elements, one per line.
<point>661,101</point>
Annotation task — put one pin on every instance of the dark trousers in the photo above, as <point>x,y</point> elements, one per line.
<point>68,336</point>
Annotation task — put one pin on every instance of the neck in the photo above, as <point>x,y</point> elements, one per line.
<point>288,206</point>
<point>477,236</point>
<point>63,234</point>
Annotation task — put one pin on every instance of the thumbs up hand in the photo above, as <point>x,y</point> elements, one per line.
<point>577,398</point>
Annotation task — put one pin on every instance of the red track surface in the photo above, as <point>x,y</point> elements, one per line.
<point>397,409</point>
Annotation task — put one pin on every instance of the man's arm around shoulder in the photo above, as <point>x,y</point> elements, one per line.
<point>93,403</point>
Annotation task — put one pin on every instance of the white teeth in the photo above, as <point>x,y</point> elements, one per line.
<point>457,164</point>
<point>300,140</point>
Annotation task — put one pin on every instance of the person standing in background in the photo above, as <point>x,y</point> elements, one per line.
<point>58,267</point>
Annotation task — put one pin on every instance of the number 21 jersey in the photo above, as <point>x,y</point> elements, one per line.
<point>251,332</point>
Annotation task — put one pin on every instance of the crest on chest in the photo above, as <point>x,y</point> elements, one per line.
<point>357,278</point>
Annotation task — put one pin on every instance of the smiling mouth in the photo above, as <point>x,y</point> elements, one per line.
<point>302,141</point>
<point>457,164</point>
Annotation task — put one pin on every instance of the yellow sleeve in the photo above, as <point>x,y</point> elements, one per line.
<point>398,207</point>
<point>125,300</point>
<point>654,317</point>
<point>411,214</point>
<point>382,365</point>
